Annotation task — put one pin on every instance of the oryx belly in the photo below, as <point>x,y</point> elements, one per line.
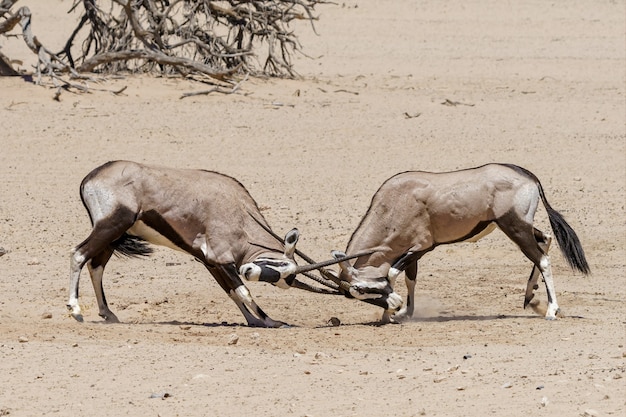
<point>483,233</point>
<point>142,230</point>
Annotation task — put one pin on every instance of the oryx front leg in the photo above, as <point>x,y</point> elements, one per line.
<point>406,312</point>
<point>228,278</point>
<point>254,315</point>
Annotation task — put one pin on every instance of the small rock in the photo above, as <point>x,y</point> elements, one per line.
<point>22,339</point>
<point>75,345</point>
<point>162,395</point>
<point>467,356</point>
<point>540,387</point>
<point>460,388</point>
<point>185,327</point>
<point>233,339</point>
<point>334,321</point>
<point>3,251</point>
<point>507,385</point>
<point>46,316</point>
<point>590,413</point>
<point>544,401</point>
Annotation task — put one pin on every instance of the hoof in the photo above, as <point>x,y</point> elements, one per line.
<point>110,318</point>
<point>78,317</point>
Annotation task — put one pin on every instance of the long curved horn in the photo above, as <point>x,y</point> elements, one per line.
<point>326,282</point>
<point>304,286</point>
<point>318,265</point>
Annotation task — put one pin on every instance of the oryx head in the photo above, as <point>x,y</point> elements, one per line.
<point>280,270</point>
<point>356,283</point>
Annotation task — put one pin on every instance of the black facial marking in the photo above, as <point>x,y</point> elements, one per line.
<point>269,274</point>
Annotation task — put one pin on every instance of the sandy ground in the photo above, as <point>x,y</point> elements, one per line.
<point>540,84</point>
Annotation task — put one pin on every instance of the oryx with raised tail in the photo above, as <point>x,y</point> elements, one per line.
<point>209,215</point>
<point>414,212</point>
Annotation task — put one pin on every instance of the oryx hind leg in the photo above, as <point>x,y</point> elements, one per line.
<point>525,236</point>
<point>97,245</point>
<point>229,280</point>
<point>96,270</point>
<point>543,240</point>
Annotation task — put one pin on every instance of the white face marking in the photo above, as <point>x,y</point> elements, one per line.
<point>250,271</point>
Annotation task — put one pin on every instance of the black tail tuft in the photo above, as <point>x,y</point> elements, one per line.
<point>568,241</point>
<point>131,246</point>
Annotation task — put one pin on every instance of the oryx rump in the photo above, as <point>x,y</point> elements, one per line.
<point>206,214</point>
<point>414,212</point>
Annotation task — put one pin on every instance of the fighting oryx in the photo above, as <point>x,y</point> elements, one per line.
<point>414,212</point>
<point>209,215</point>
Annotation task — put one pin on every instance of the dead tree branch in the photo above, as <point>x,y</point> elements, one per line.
<point>214,38</point>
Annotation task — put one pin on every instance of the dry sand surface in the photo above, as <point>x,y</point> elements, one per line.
<point>540,84</point>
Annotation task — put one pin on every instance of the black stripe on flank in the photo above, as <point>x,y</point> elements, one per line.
<point>155,221</point>
<point>476,230</point>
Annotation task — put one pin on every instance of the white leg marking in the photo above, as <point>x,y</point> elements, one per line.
<point>553,306</point>
<point>406,312</point>
<point>76,261</point>
<point>392,275</point>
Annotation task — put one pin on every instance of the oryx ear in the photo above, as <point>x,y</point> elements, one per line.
<point>291,239</point>
<point>344,265</point>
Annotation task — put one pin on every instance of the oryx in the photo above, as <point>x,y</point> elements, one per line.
<point>206,214</point>
<point>414,212</point>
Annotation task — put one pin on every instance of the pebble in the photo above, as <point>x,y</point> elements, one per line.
<point>46,316</point>
<point>507,385</point>
<point>162,395</point>
<point>590,413</point>
<point>233,339</point>
<point>22,339</point>
<point>544,401</point>
<point>334,321</point>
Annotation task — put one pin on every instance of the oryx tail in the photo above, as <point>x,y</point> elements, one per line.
<point>569,243</point>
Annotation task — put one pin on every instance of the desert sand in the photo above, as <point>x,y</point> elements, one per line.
<point>386,86</point>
